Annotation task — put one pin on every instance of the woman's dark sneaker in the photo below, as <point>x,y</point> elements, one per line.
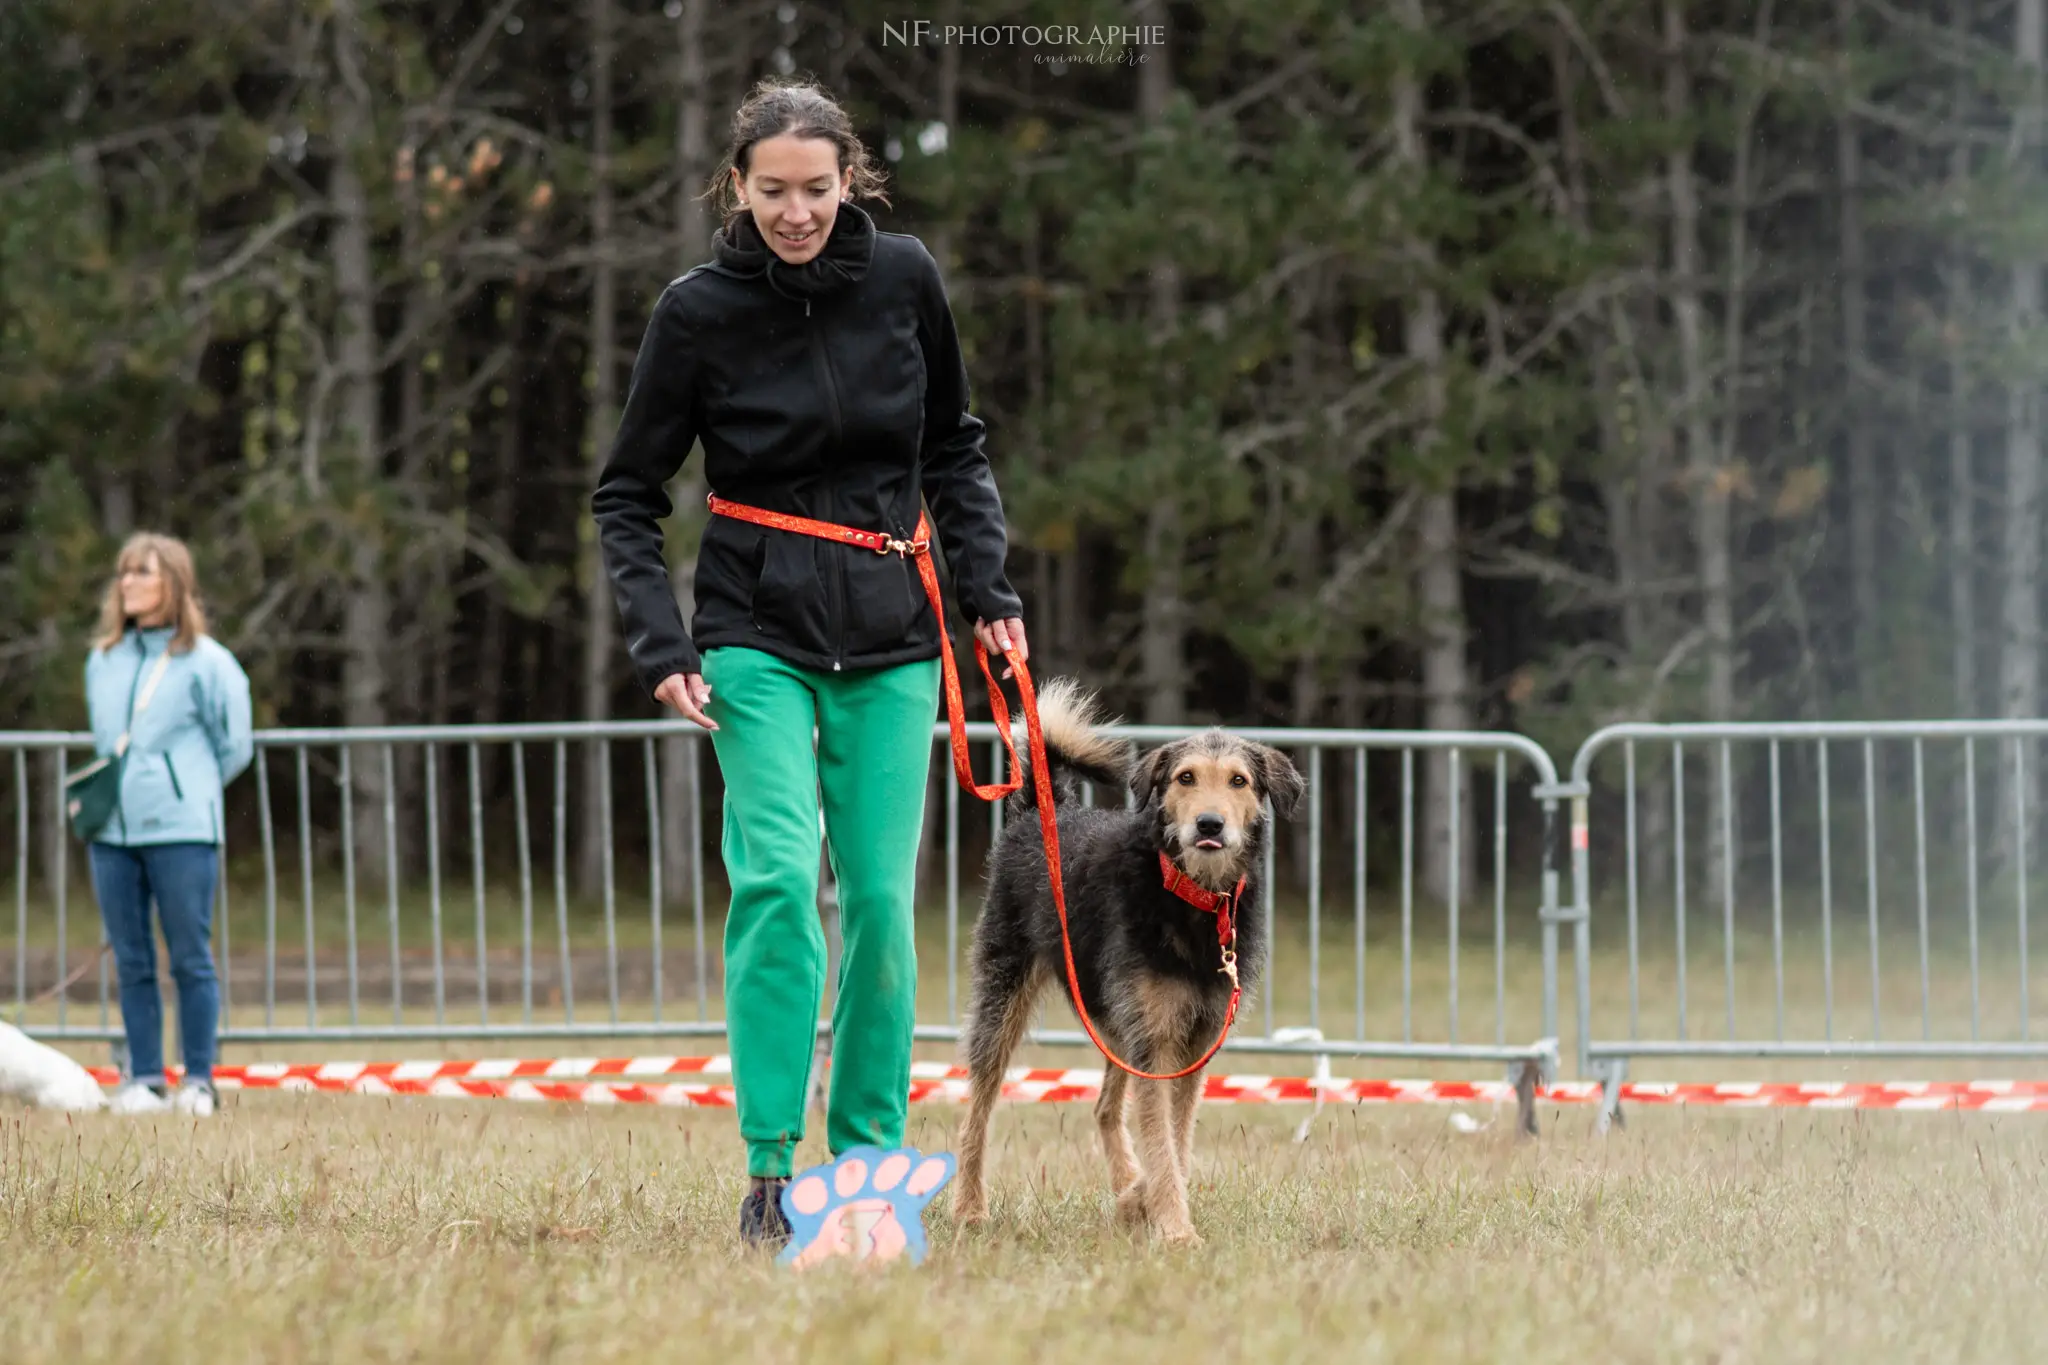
<point>761,1219</point>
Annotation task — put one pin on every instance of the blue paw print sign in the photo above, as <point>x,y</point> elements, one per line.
<point>866,1206</point>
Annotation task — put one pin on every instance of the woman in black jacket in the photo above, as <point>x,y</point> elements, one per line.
<point>815,359</point>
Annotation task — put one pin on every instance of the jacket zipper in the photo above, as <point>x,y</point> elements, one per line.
<point>838,560</point>
<point>170,768</point>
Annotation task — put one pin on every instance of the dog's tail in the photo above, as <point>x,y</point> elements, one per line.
<point>1075,747</point>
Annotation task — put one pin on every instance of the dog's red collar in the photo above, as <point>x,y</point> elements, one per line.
<point>1221,904</point>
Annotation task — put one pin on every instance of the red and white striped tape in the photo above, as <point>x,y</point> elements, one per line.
<point>592,1080</point>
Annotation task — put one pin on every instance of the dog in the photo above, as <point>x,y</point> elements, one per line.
<point>43,1077</point>
<point>1149,961</point>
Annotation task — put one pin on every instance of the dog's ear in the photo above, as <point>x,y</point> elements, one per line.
<point>1148,774</point>
<point>1279,782</point>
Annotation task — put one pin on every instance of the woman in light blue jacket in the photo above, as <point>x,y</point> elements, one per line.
<point>152,660</point>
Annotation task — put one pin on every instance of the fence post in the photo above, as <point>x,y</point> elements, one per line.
<point>1553,912</point>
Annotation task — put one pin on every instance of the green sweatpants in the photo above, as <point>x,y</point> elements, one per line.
<point>870,770</point>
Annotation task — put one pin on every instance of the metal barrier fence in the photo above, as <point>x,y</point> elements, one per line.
<point>1763,891</point>
<point>487,941</point>
<point>1831,843</point>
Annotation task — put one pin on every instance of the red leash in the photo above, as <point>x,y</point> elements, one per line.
<point>919,548</point>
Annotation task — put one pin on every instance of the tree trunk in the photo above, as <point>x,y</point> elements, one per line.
<point>1448,842</point>
<point>1709,482</point>
<point>679,802</point>
<point>599,626</point>
<point>412,567</point>
<point>946,105</point>
<point>1305,710</point>
<point>503,506</point>
<point>1071,602</point>
<point>1162,642</point>
<point>694,225</point>
<point>1045,604</point>
<point>1303,540</point>
<point>1635,468</point>
<point>1724,834</point>
<point>1962,478</point>
<point>117,505</point>
<point>443,492</point>
<point>2019,665</point>
<point>1448,854</point>
<point>1864,493</point>
<point>366,617</point>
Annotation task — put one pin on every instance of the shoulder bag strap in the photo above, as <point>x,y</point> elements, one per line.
<point>156,675</point>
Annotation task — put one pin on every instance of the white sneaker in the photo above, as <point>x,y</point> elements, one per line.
<point>196,1098</point>
<point>135,1098</point>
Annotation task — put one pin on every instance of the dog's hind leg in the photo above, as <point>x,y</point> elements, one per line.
<point>1116,1135</point>
<point>1002,1013</point>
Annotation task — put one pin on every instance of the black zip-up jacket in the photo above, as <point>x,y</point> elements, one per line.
<point>833,390</point>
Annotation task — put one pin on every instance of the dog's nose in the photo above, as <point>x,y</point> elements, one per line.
<point>1209,826</point>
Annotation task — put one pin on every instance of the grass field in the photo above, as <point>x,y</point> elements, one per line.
<point>304,1228</point>
<point>313,1228</point>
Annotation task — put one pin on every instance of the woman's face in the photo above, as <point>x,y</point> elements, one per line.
<point>793,187</point>
<point>144,592</point>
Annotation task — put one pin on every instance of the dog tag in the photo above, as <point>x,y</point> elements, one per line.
<point>866,1207</point>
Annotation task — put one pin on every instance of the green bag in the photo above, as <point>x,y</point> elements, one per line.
<point>92,793</point>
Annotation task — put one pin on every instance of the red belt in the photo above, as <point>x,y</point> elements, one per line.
<point>919,547</point>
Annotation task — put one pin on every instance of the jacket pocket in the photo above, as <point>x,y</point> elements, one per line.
<point>884,603</point>
<point>172,768</point>
<point>789,596</point>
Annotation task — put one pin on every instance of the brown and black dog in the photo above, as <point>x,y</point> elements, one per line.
<point>1149,962</point>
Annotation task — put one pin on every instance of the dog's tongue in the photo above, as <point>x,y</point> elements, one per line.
<point>1208,843</point>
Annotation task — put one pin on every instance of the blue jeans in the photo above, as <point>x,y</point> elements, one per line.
<point>180,879</point>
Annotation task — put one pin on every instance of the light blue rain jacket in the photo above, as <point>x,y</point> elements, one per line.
<point>193,740</point>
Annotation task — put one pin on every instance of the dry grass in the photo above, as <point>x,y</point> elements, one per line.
<point>313,1228</point>
<point>296,1228</point>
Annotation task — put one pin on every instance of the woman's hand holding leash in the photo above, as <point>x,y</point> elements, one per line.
<point>688,694</point>
<point>999,637</point>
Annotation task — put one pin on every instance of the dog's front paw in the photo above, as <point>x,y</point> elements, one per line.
<point>1182,1237</point>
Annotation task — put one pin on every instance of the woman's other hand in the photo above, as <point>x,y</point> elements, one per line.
<point>688,694</point>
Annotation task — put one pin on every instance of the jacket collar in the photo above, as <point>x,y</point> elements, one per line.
<point>849,249</point>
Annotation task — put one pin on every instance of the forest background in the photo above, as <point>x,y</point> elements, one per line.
<point>1523,364</point>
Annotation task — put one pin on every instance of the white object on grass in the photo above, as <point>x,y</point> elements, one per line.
<point>41,1076</point>
<point>1321,1079</point>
